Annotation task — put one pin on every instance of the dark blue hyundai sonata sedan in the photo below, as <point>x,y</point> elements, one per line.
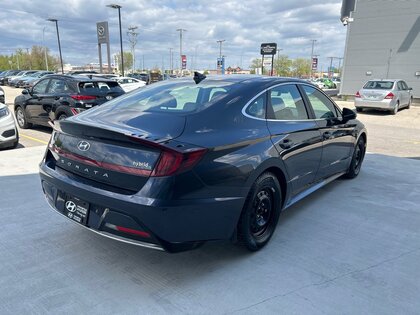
<point>186,161</point>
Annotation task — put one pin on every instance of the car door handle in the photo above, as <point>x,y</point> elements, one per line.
<point>286,144</point>
<point>327,135</point>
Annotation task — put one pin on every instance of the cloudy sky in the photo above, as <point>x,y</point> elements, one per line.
<point>244,24</point>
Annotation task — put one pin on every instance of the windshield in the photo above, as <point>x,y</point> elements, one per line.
<point>379,85</point>
<point>174,97</point>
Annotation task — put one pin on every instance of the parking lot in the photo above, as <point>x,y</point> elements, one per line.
<point>350,248</point>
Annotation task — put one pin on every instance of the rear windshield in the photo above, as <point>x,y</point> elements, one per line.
<point>174,97</point>
<point>379,85</point>
<point>98,87</point>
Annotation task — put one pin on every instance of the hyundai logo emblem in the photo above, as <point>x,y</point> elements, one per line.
<point>83,145</point>
<point>70,206</point>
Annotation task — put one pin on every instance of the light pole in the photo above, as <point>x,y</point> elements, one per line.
<point>180,30</point>
<point>59,45</point>
<point>132,37</point>
<point>117,6</point>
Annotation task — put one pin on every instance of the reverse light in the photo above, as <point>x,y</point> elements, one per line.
<point>82,97</point>
<point>389,96</point>
<point>357,94</point>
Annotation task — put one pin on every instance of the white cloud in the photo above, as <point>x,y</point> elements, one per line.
<point>243,24</point>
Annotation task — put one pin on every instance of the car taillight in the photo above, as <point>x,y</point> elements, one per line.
<point>390,96</point>
<point>83,97</point>
<point>357,94</point>
<point>172,162</point>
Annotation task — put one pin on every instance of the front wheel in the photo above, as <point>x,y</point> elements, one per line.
<point>357,159</point>
<point>21,119</point>
<point>261,212</point>
<point>409,103</point>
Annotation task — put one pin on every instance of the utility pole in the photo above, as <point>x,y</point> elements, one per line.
<point>220,54</point>
<point>330,68</point>
<point>312,53</point>
<point>180,30</point>
<point>278,60</point>
<point>220,49</point>
<point>171,65</point>
<point>132,38</point>
<point>45,47</point>
<point>59,44</point>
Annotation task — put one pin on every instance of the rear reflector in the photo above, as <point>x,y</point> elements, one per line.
<point>83,97</point>
<point>390,96</point>
<point>357,94</point>
<point>127,230</point>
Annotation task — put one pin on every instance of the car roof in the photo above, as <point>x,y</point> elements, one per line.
<point>79,78</point>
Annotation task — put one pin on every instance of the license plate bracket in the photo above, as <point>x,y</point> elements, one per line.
<point>76,209</point>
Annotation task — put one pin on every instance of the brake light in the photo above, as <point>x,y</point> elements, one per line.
<point>172,162</point>
<point>127,230</point>
<point>357,94</point>
<point>83,97</point>
<point>390,96</point>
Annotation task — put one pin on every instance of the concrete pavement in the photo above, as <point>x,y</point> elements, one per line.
<point>351,248</point>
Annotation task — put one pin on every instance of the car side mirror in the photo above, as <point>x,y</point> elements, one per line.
<point>25,92</point>
<point>410,88</point>
<point>348,114</point>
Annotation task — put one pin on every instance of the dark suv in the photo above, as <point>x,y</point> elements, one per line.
<point>61,96</point>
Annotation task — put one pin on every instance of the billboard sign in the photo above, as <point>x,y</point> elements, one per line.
<point>102,32</point>
<point>268,49</point>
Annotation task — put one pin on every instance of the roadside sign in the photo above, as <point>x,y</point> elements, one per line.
<point>102,32</point>
<point>268,49</point>
<point>314,63</point>
<point>184,62</point>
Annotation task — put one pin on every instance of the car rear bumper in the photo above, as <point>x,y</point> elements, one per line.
<point>173,225</point>
<point>386,104</point>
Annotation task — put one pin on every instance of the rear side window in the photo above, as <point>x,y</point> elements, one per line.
<point>257,107</point>
<point>322,106</point>
<point>99,87</point>
<point>379,85</point>
<point>58,86</point>
<point>287,104</point>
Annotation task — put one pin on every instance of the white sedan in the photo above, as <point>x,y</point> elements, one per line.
<point>9,137</point>
<point>129,84</point>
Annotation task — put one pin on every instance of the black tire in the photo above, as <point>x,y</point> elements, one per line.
<point>409,103</point>
<point>357,159</point>
<point>260,213</point>
<point>359,109</point>
<point>62,116</point>
<point>396,108</point>
<point>21,118</point>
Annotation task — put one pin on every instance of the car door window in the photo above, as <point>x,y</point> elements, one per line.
<point>257,107</point>
<point>400,86</point>
<point>57,86</point>
<point>322,106</point>
<point>286,103</point>
<point>404,85</point>
<point>40,87</point>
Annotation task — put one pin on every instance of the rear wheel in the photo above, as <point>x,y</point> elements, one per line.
<point>409,102</point>
<point>395,110</point>
<point>357,159</point>
<point>261,212</point>
<point>62,116</point>
<point>21,119</point>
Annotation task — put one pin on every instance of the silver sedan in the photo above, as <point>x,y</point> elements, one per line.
<point>390,95</point>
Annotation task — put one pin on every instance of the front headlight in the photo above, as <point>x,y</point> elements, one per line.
<point>4,112</point>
